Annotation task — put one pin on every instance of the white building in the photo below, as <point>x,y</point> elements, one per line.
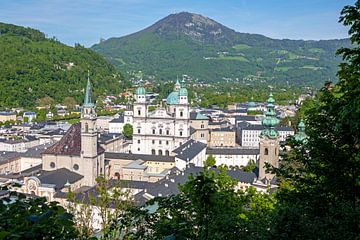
<point>249,135</point>
<point>117,124</point>
<point>160,131</point>
<point>30,115</point>
<point>233,156</point>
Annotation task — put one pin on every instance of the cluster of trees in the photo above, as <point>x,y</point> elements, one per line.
<point>34,67</point>
<point>318,195</point>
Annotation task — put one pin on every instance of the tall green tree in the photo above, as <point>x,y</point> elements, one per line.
<point>320,179</point>
<point>128,130</point>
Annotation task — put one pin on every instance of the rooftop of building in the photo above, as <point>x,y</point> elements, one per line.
<point>59,177</point>
<point>144,157</point>
<point>70,143</point>
<point>189,149</point>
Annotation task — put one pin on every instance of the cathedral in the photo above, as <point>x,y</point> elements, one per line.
<point>161,131</point>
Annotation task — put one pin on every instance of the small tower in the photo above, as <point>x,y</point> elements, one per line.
<point>88,125</point>
<point>301,136</point>
<point>140,106</point>
<point>177,86</point>
<point>269,141</point>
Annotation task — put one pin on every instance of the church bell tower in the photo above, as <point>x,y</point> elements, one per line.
<point>88,126</point>
<point>269,141</point>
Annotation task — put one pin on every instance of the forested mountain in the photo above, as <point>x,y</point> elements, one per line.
<point>33,66</point>
<point>191,44</point>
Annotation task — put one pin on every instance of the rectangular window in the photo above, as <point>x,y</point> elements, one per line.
<point>180,133</point>
<point>181,114</point>
<point>138,130</point>
<point>153,131</point>
<point>167,142</point>
<point>139,141</point>
<point>153,141</point>
<point>160,142</point>
<point>202,125</point>
<point>167,132</point>
<point>139,112</point>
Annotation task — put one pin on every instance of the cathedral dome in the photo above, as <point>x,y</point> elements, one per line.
<point>183,92</point>
<point>140,91</point>
<point>173,98</point>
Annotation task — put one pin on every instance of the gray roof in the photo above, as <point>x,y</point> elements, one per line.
<point>189,149</point>
<point>232,151</point>
<point>59,177</point>
<point>120,119</point>
<point>192,130</point>
<point>224,129</point>
<point>261,127</point>
<point>197,116</point>
<point>247,118</point>
<point>144,157</point>
<point>106,137</point>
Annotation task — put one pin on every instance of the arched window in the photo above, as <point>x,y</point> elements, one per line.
<point>153,131</point>
<point>181,114</point>
<point>167,132</point>
<point>153,152</point>
<point>86,127</point>
<point>275,151</point>
<point>160,152</point>
<point>160,131</point>
<point>266,151</point>
<point>117,176</point>
<point>167,153</point>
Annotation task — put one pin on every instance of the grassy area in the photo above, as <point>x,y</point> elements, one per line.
<point>282,69</point>
<point>236,58</point>
<point>73,121</point>
<point>316,50</point>
<point>241,47</point>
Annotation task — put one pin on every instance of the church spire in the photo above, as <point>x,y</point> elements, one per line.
<point>87,99</point>
<point>270,120</point>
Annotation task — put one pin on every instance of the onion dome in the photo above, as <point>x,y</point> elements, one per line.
<point>173,98</point>
<point>183,92</point>
<point>301,136</point>
<point>270,120</point>
<point>140,91</point>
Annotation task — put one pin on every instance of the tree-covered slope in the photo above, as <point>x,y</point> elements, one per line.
<point>32,67</point>
<point>191,44</point>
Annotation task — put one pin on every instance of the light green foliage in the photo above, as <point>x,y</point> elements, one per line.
<point>128,130</point>
<point>210,161</point>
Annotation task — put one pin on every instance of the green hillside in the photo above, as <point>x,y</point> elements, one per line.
<point>197,46</point>
<point>32,67</point>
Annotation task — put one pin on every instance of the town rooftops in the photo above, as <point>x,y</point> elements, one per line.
<point>189,150</point>
<point>70,143</point>
<point>232,151</point>
<point>108,137</point>
<point>59,177</point>
<point>144,157</point>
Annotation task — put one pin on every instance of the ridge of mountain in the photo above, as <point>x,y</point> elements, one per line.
<point>33,66</point>
<point>191,44</point>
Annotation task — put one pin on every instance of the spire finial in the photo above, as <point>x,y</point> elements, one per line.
<point>87,99</point>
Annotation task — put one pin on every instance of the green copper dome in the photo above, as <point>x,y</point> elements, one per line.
<point>140,91</point>
<point>270,120</point>
<point>173,98</point>
<point>183,92</point>
<point>301,136</point>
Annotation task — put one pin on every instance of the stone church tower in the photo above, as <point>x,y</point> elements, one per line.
<point>269,141</point>
<point>92,161</point>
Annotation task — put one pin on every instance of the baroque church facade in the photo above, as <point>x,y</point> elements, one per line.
<point>161,131</point>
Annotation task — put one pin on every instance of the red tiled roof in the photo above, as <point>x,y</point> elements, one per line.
<point>70,143</point>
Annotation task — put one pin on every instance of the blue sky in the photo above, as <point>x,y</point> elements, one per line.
<point>86,21</point>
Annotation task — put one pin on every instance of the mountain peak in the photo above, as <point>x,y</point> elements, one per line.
<point>195,26</point>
